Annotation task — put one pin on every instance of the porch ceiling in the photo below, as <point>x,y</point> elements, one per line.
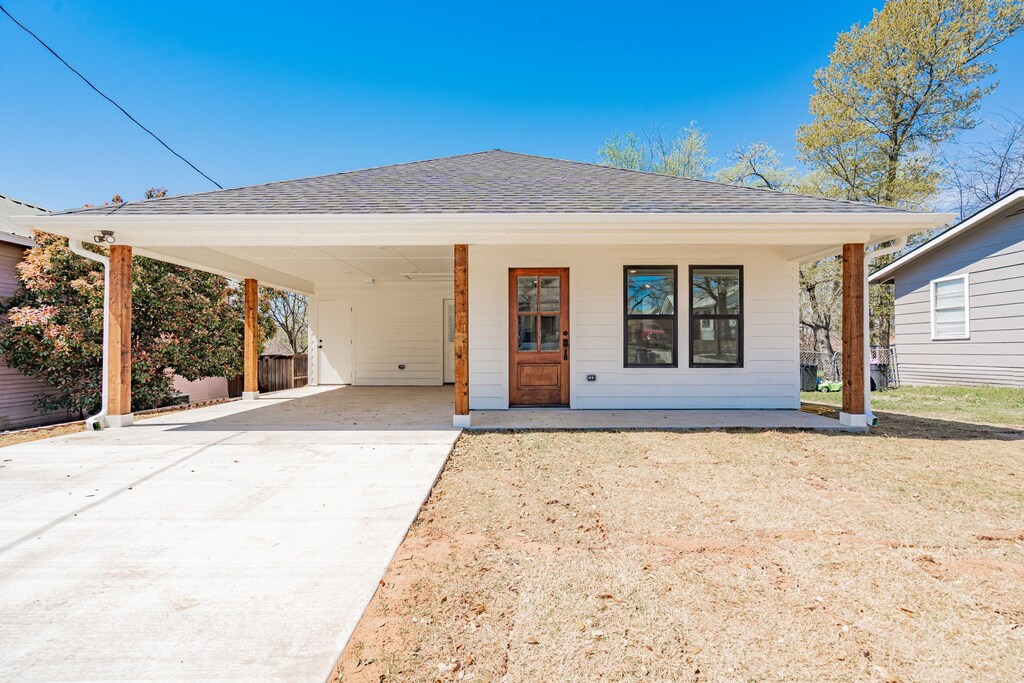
<point>300,268</point>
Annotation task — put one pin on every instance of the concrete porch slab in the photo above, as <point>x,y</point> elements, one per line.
<point>565,418</point>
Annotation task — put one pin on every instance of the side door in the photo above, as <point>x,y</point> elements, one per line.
<point>334,342</point>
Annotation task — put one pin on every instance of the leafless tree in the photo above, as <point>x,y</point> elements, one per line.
<point>288,311</point>
<point>987,171</point>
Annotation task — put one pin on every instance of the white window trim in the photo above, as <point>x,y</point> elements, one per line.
<point>967,306</point>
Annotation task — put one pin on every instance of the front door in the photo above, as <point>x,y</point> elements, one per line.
<point>334,342</point>
<point>538,336</point>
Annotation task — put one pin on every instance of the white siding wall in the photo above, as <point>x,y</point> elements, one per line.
<point>394,323</point>
<point>769,379</point>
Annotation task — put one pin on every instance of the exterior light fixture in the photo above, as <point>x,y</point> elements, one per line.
<point>105,237</point>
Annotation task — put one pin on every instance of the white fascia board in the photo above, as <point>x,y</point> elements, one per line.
<point>995,210</point>
<point>522,228</point>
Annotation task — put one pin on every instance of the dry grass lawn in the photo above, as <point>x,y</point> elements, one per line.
<point>709,556</point>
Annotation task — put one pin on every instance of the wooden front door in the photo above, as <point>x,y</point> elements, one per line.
<point>538,344</point>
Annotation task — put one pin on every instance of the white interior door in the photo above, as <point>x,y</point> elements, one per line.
<point>334,342</point>
<point>449,341</point>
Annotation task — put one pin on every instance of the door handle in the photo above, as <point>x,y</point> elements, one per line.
<point>565,348</point>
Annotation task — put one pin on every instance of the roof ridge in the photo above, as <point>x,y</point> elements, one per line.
<point>717,183</point>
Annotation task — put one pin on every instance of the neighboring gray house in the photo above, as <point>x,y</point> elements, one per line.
<point>960,301</point>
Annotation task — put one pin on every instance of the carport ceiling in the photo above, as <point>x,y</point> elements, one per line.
<point>320,264</point>
<point>323,264</point>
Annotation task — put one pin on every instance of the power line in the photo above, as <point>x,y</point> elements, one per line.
<point>106,97</point>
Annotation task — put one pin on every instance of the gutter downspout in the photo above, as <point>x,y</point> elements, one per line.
<point>898,245</point>
<point>99,420</point>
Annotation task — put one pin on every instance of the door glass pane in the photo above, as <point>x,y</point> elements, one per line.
<point>650,291</point>
<point>649,341</point>
<point>716,341</point>
<point>528,293</point>
<point>550,332</point>
<point>551,293</point>
<point>527,333</point>
<point>716,290</point>
<point>451,323</point>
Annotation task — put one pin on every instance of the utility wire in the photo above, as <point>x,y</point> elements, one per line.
<point>75,71</point>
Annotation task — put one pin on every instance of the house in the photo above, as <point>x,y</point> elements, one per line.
<point>960,301</point>
<point>522,280</point>
<point>18,392</point>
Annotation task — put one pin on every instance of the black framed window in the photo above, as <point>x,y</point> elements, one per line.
<point>716,316</point>
<point>650,317</point>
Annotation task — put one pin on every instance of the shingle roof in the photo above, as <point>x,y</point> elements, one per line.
<point>488,182</point>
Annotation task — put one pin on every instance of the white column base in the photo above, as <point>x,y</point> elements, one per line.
<point>115,421</point>
<point>461,421</point>
<point>250,395</point>
<point>853,419</point>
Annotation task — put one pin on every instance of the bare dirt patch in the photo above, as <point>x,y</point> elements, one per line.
<point>709,556</point>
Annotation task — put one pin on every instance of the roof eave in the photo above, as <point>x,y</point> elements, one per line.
<point>991,212</point>
<point>822,229</point>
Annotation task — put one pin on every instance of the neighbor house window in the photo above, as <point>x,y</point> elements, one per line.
<point>950,308</point>
<point>650,317</point>
<point>716,316</point>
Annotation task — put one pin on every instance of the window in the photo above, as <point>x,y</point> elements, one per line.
<point>950,308</point>
<point>716,316</point>
<point>650,317</point>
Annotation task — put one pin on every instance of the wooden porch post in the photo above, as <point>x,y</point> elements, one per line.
<point>854,361</point>
<point>461,418</point>
<point>119,337</point>
<point>250,387</point>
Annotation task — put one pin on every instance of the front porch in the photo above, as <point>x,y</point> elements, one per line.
<point>669,420</point>
<point>387,409</point>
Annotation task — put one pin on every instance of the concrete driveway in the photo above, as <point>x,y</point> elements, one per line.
<point>239,541</point>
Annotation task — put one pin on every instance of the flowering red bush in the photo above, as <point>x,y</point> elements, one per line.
<point>184,321</point>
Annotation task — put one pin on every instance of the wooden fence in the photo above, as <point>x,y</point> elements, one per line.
<point>282,372</point>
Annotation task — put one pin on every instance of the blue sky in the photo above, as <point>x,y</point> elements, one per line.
<point>256,91</point>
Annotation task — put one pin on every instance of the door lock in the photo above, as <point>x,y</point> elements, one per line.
<point>565,348</point>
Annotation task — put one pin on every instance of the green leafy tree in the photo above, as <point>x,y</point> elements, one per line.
<point>893,92</point>
<point>685,154</point>
<point>896,89</point>
<point>184,322</point>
